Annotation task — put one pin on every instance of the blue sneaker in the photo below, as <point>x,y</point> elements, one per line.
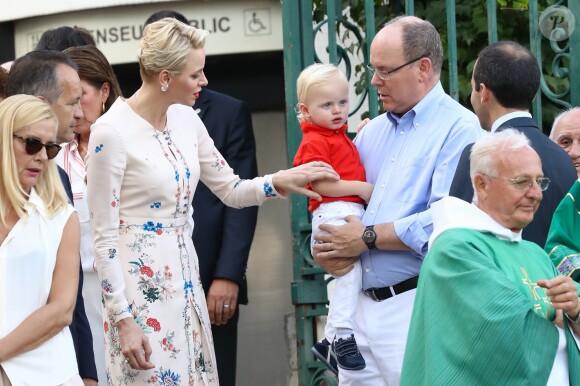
<point>347,354</point>
<point>322,351</point>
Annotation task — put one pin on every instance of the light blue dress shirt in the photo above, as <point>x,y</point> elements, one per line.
<point>411,160</point>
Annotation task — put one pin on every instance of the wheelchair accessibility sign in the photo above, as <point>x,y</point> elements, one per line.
<point>257,22</point>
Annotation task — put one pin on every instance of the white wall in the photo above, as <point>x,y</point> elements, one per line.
<point>235,26</point>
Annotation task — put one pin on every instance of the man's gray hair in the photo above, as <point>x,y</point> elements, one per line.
<point>489,150</point>
<point>35,74</point>
<point>557,120</point>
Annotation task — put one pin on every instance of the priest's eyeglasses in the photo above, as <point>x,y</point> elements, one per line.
<point>386,75</point>
<point>525,183</point>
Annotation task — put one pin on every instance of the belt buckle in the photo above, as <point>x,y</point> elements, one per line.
<point>370,292</point>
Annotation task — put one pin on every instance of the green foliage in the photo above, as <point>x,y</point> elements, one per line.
<point>471,37</point>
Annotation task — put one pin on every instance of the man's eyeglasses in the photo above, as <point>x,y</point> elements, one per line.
<point>525,183</point>
<point>34,145</point>
<point>386,75</point>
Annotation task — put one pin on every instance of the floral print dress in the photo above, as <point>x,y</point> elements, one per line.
<point>140,187</point>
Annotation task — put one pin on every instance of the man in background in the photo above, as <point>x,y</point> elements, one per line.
<point>505,80</point>
<point>566,133</point>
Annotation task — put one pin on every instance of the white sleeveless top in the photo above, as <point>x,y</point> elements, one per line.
<point>27,261</point>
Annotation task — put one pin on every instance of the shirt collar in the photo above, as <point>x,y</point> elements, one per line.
<point>308,127</point>
<point>451,212</point>
<point>35,203</point>
<point>504,118</point>
<point>421,107</point>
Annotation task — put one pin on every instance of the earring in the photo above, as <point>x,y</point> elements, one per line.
<point>164,87</point>
<point>103,107</point>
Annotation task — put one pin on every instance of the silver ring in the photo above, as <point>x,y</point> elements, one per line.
<point>226,306</point>
<point>127,360</point>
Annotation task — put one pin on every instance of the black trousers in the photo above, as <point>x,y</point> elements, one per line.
<point>225,340</point>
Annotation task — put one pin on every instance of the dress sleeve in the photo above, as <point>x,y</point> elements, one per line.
<point>221,179</point>
<point>106,165</point>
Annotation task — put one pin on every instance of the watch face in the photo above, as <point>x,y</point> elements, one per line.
<point>369,236</point>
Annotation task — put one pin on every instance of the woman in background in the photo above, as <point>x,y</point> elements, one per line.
<point>39,235</point>
<point>100,89</point>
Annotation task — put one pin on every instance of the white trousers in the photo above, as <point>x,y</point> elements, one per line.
<point>347,288</point>
<point>381,330</point>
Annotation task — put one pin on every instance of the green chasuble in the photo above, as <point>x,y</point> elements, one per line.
<point>479,317</point>
<point>563,244</point>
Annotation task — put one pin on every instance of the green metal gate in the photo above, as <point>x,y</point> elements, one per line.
<point>346,27</point>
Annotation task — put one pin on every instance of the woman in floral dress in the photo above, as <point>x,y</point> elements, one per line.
<point>146,156</point>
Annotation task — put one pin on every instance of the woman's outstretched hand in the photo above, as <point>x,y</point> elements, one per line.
<point>295,180</point>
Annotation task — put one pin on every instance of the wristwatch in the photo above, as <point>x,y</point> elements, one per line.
<point>369,237</point>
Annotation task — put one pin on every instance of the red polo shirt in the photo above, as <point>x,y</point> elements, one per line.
<point>336,149</point>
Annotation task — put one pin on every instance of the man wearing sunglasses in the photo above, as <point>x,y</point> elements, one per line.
<point>409,154</point>
<point>52,77</point>
<point>505,80</point>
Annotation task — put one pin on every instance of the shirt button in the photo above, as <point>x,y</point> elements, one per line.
<point>416,124</point>
<point>393,159</point>
<point>402,132</point>
<point>372,212</point>
<point>367,270</point>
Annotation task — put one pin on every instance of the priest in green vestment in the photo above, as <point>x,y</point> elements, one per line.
<point>563,243</point>
<point>491,309</point>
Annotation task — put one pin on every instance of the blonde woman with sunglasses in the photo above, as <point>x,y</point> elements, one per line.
<point>39,249</point>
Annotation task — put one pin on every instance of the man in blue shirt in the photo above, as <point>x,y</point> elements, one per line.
<point>410,154</point>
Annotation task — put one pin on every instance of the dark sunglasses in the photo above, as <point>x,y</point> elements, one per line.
<point>33,146</point>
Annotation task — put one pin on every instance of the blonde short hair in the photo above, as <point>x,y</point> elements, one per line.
<point>312,76</point>
<point>165,46</point>
<point>16,113</point>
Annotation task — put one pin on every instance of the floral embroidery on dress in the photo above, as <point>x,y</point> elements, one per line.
<point>168,346</point>
<point>151,227</point>
<point>141,242</point>
<point>269,190</point>
<point>154,324</point>
<point>115,202</point>
<point>182,203</point>
<point>112,336</point>
<point>99,148</point>
<point>164,378</point>
<point>140,316</point>
<point>106,286</point>
<point>112,253</point>
<point>155,205</point>
<point>187,285</point>
<point>218,162</point>
<point>154,285</point>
